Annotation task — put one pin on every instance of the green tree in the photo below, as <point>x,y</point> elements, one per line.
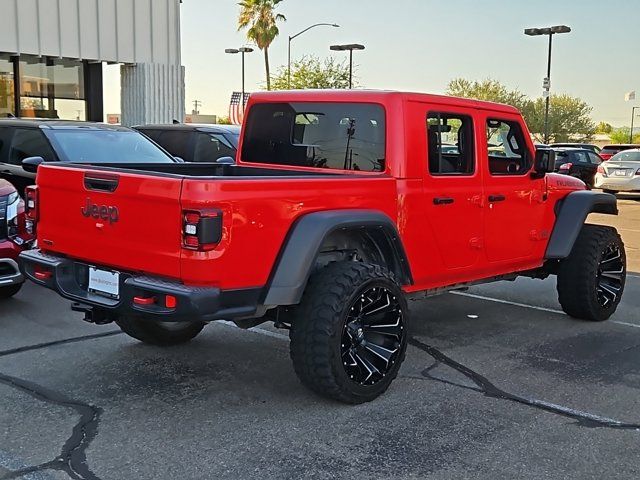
<point>223,120</point>
<point>311,72</point>
<point>604,127</point>
<point>569,119</point>
<point>260,20</point>
<point>568,116</point>
<point>621,135</point>
<point>490,90</point>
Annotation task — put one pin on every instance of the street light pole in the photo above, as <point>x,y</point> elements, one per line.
<point>297,35</point>
<point>550,31</point>
<point>633,114</point>
<point>351,47</point>
<point>241,50</point>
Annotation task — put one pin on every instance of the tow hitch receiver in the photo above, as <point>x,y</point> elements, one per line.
<point>92,315</point>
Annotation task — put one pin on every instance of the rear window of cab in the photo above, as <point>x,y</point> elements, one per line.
<point>337,136</point>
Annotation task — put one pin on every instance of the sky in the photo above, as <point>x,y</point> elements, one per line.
<point>420,45</point>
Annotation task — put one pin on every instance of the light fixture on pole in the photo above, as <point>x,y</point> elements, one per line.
<point>351,47</point>
<point>297,35</point>
<point>550,31</point>
<point>241,50</point>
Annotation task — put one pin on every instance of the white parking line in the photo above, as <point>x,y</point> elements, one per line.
<point>532,307</point>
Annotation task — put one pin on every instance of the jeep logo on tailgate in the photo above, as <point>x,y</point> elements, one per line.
<point>104,212</point>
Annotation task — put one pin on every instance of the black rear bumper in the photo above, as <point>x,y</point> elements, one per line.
<point>70,279</point>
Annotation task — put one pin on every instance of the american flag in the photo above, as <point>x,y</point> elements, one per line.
<point>236,111</point>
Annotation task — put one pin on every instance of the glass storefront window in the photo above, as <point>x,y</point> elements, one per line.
<point>52,88</point>
<point>7,101</point>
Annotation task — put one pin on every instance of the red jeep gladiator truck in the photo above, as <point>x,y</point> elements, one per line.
<point>342,204</point>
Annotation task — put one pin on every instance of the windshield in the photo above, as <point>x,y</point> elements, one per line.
<point>626,157</point>
<point>341,136</point>
<point>81,145</point>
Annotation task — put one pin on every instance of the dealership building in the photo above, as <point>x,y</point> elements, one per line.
<point>52,54</point>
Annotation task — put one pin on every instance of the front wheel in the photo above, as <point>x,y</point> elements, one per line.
<point>349,334</point>
<point>591,280</point>
<point>159,333</point>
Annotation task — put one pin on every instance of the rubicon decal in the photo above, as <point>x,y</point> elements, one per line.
<point>104,212</point>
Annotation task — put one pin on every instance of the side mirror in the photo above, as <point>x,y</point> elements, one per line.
<point>226,160</point>
<point>30,164</point>
<point>545,161</point>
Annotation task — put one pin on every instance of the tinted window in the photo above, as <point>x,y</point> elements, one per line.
<point>152,134</point>
<point>5,143</point>
<point>106,146</point>
<point>610,150</point>
<point>595,159</point>
<point>580,157</point>
<point>176,142</point>
<point>345,136</point>
<point>29,143</point>
<point>450,144</point>
<point>507,148</point>
<point>212,146</point>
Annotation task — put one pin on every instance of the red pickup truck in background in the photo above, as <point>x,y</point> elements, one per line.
<point>342,204</point>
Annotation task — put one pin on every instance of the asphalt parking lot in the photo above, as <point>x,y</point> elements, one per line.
<point>498,383</point>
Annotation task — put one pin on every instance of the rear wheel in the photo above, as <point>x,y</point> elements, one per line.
<point>349,334</point>
<point>10,291</point>
<point>159,333</point>
<point>591,280</point>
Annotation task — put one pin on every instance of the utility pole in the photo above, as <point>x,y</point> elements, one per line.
<point>196,105</point>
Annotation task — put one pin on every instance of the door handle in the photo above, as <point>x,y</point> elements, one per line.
<point>497,198</point>
<point>442,200</point>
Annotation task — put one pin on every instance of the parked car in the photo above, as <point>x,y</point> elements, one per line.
<point>578,162</point>
<point>609,151</point>
<point>621,173</point>
<point>13,239</point>
<point>584,146</point>
<point>332,217</point>
<point>68,141</point>
<point>195,142</point>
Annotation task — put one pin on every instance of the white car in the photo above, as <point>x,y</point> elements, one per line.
<point>621,173</point>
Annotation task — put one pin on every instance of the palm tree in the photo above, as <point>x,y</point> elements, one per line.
<point>260,19</point>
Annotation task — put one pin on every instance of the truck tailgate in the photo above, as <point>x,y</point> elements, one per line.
<point>118,219</point>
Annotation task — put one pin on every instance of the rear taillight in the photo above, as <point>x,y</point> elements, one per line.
<point>566,166</point>
<point>31,210</point>
<point>201,229</point>
<point>602,170</point>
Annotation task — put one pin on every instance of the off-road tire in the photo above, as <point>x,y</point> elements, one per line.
<point>10,291</point>
<point>319,323</point>
<point>159,333</point>
<point>578,276</point>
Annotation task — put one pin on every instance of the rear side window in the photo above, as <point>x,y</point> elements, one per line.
<point>507,149</point>
<point>212,146</point>
<point>29,143</point>
<point>610,150</point>
<point>450,144</point>
<point>595,159</point>
<point>176,142</point>
<point>340,136</point>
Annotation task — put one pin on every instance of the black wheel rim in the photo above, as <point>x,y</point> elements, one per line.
<point>372,336</point>
<point>610,276</point>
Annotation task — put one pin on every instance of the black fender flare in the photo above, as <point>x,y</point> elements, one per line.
<point>571,213</point>
<point>300,250</point>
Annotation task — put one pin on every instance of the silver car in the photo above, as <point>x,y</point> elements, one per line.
<point>621,173</point>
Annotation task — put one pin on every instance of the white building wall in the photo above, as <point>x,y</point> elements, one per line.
<point>135,33</point>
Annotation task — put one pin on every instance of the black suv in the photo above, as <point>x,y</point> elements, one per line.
<point>68,141</point>
<point>195,142</point>
<point>581,163</point>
